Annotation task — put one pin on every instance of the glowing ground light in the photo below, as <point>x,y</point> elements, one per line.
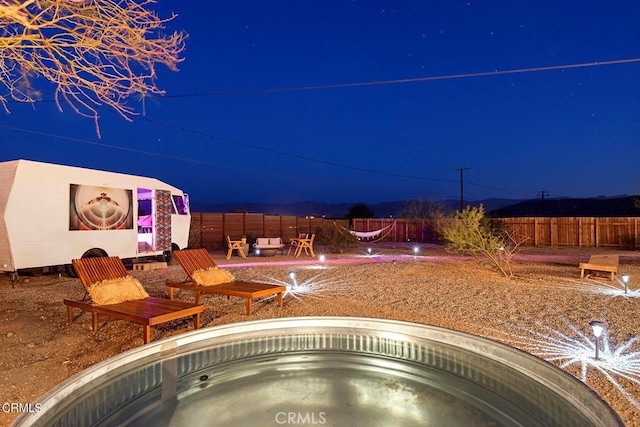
<point>311,287</point>
<point>615,364</point>
<point>609,288</point>
<point>292,276</point>
<point>598,328</point>
<point>625,280</point>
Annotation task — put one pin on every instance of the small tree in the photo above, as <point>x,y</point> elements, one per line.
<point>94,52</point>
<point>428,214</point>
<point>417,209</point>
<point>469,233</point>
<point>360,210</point>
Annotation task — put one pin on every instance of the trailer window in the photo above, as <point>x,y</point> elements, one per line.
<point>144,207</point>
<point>181,205</point>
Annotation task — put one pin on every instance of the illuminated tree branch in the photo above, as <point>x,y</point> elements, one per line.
<point>95,52</point>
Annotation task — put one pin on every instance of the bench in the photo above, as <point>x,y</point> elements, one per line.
<point>269,245</point>
<point>603,263</point>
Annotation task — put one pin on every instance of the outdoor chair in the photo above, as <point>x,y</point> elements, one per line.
<point>294,242</point>
<point>114,293</point>
<point>306,245</point>
<point>204,277</point>
<point>235,245</point>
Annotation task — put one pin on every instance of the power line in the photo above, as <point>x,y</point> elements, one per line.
<point>243,144</point>
<point>186,159</point>
<point>387,82</point>
<point>296,156</point>
<point>522,193</point>
<point>132,150</point>
<point>407,80</point>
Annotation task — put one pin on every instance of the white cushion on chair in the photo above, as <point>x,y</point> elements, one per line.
<point>275,240</point>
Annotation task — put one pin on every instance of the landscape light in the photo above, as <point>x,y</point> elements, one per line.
<point>292,275</point>
<point>625,279</point>
<point>322,258</point>
<point>257,251</point>
<point>415,250</point>
<point>369,251</point>
<point>597,328</point>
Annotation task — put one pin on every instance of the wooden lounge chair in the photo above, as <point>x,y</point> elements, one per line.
<point>148,311</point>
<point>604,263</point>
<point>235,245</point>
<point>193,260</point>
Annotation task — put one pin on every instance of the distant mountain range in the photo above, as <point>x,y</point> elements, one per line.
<point>622,206</point>
<point>556,207</point>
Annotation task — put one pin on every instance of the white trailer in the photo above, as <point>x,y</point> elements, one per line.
<point>51,214</point>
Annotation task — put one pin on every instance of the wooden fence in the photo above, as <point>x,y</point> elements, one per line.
<point>575,231</point>
<point>578,231</point>
<point>211,229</point>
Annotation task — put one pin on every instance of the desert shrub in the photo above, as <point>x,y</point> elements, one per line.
<point>335,239</point>
<point>470,233</point>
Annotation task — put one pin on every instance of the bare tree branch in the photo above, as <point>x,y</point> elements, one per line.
<point>95,52</point>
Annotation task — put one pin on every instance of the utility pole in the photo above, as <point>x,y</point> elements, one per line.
<point>542,194</point>
<point>461,186</point>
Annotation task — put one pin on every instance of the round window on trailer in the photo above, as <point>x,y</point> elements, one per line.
<point>91,253</point>
<point>95,253</point>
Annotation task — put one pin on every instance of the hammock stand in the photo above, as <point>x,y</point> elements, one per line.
<point>366,235</point>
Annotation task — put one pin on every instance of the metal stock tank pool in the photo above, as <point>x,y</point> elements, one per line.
<point>335,371</point>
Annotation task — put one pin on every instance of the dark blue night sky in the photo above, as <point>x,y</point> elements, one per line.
<point>228,131</point>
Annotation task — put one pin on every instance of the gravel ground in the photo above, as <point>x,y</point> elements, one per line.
<point>544,305</point>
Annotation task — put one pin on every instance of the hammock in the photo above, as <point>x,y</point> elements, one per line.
<point>366,235</point>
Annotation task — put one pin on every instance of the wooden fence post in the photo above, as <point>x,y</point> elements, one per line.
<point>579,232</point>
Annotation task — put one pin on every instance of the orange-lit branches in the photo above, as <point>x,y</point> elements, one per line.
<point>95,52</point>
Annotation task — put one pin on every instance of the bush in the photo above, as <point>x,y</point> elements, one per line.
<point>335,239</point>
<point>469,233</point>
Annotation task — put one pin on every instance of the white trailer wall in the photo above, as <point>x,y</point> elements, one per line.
<point>37,214</point>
